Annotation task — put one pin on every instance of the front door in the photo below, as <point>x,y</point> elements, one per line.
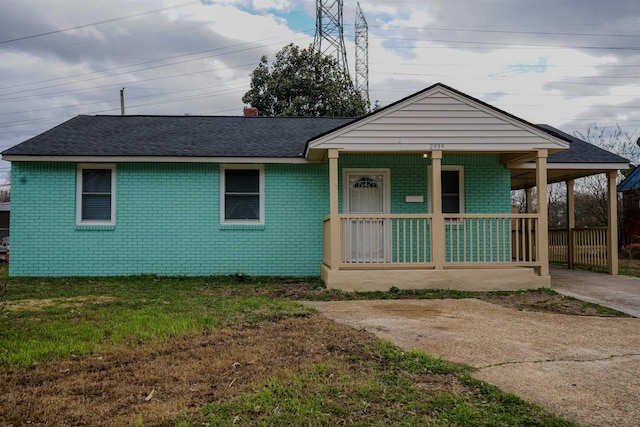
<point>365,238</point>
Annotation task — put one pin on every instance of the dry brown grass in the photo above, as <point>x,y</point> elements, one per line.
<point>630,267</point>
<point>183,374</point>
<point>161,381</point>
<point>41,304</point>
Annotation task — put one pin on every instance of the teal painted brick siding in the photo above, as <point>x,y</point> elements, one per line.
<point>408,176</point>
<point>487,189</point>
<point>167,223</point>
<point>487,183</point>
<point>168,216</point>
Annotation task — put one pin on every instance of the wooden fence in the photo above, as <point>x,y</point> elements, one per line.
<point>588,246</point>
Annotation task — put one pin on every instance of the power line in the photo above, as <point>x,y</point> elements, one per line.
<point>141,69</point>
<point>106,21</point>
<point>130,83</point>
<point>210,50</point>
<point>508,44</point>
<point>149,62</point>
<point>129,98</point>
<point>470,30</point>
<point>200,95</point>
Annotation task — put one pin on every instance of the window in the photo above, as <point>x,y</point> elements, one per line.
<point>452,180</point>
<point>450,191</point>
<point>242,194</point>
<point>96,194</point>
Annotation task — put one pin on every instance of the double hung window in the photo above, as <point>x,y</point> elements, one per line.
<point>242,194</point>
<point>452,182</point>
<point>451,191</point>
<point>95,194</point>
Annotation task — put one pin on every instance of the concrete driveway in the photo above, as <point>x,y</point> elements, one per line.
<point>619,292</point>
<point>586,369</point>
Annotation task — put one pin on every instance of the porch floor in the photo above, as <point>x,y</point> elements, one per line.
<point>471,279</point>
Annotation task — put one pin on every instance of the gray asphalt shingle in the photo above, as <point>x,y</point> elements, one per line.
<point>180,136</point>
<point>580,151</point>
<point>220,136</point>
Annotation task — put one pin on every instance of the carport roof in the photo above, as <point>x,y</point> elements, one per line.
<point>580,151</point>
<point>580,160</point>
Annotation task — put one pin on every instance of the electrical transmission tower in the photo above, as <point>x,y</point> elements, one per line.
<point>329,38</point>
<point>362,54</point>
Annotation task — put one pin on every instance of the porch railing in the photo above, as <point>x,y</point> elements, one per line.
<point>406,240</point>
<point>589,246</point>
<point>491,239</point>
<point>385,239</point>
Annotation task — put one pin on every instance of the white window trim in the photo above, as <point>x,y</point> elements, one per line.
<point>79,169</point>
<point>460,170</point>
<point>364,171</point>
<point>259,221</point>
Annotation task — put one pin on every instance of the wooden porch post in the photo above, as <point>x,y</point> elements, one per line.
<point>528,194</point>
<point>333,209</point>
<point>571,221</point>
<point>437,228</point>
<point>543,218</point>
<point>612,235</point>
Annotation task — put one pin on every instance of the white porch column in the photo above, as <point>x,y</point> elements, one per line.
<point>437,227</point>
<point>543,215</point>
<point>571,221</point>
<point>612,235</point>
<point>333,209</point>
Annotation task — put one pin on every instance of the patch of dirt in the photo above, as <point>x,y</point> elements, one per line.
<point>43,303</point>
<point>537,300</point>
<point>163,380</point>
<point>544,302</point>
<point>630,267</point>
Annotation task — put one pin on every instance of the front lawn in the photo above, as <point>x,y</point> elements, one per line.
<point>219,351</point>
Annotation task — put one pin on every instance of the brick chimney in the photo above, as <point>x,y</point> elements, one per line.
<point>250,112</point>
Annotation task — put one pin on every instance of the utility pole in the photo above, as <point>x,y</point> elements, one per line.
<point>362,54</point>
<point>122,102</point>
<point>329,37</point>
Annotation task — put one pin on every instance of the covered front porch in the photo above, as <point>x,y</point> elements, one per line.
<point>475,251</point>
<point>471,251</point>
<point>420,196</point>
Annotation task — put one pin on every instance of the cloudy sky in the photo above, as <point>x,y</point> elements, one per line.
<point>568,63</point>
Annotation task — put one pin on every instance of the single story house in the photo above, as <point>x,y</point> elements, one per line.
<point>414,195</point>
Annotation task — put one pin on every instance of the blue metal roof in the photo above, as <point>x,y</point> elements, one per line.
<point>631,182</point>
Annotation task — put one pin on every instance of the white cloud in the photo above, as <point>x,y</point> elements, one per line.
<point>418,19</point>
<point>277,5</point>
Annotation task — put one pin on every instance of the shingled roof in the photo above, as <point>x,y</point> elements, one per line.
<point>178,136</point>
<point>580,151</point>
<point>220,136</point>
